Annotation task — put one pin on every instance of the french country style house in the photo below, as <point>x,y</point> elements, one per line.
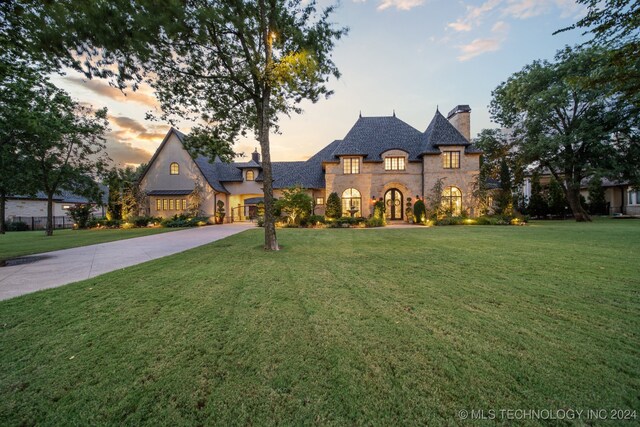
<point>380,157</point>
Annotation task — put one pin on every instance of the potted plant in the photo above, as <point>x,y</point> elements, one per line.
<point>220,212</point>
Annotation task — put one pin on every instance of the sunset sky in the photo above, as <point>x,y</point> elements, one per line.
<point>410,56</point>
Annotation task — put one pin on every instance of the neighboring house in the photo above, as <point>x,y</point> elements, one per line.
<point>621,196</point>
<point>21,208</point>
<point>380,157</point>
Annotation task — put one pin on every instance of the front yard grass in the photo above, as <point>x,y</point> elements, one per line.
<point>341,327</point>
<point>19,243</point>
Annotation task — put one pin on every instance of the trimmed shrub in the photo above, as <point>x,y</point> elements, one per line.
<point>375,222</point>
<point>419,212</point>
<point>80,214</point>
<point>17,226</point>
<point>333,208</point>
<point>184,221</point>
<point>316,219</point>
<point>144,221</point>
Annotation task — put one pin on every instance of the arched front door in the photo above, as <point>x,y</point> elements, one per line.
<point>393,204</point>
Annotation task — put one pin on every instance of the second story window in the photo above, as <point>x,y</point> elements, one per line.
<point>394,164</point>
<point>451,160</point>
<point>250,176</point>
<point>351,165</point>
<point>174,169</point>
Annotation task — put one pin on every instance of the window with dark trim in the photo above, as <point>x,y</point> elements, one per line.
<point>184,204</point>
<point>351,200</point>
<point>394,164</point>
<point>451,160</point>
<point>351,165</point>
<point>250,176</point>
<point>159,204</point>
<point>165,204</point>
<point>174,169</point>
<point>319,201</point>
<point>452,200</point>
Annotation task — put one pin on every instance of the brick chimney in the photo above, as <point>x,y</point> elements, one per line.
<point>460,118</point>
<point>255,156</point>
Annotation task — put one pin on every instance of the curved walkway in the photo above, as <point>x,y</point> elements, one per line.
<point>57,268</point>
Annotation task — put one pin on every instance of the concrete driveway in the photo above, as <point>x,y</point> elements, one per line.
<point>52,269</point>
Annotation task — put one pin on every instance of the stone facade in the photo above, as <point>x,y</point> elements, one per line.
<point>394,162</point>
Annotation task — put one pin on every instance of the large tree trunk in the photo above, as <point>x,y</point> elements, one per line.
<point>573,198</point>
<point>3,201</point>
<point>49,230</point>
<point>270,240</point>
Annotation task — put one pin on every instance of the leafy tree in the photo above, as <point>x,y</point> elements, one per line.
<point>65,150</point>
<point>597,200</point>
<point>334,207</point>
<point>498,145</point>
<point>296,204</point>
<point>18,86</point>
<point>559,124</point>
<point>505,195</point>
<point>234,66</point>
<point>537,205</point>
<point>614,25</point>
<point>197,197</point>
<point>557,200</point>
<point>435,205</point>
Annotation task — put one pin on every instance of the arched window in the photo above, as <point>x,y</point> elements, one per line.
<point>351,200</point>
<point>174,169</point>
<point>250,176</point>
<point>452,200</point>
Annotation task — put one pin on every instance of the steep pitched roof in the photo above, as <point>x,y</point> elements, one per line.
<point>217,172</point>
<point>441,132</point>
<point>372,136</point>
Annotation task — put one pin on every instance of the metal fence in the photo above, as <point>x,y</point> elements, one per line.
<point>40,222</point>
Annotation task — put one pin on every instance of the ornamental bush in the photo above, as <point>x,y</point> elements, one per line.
<point>81,214</point>
<point>419,212</point>
<point>334,208</point>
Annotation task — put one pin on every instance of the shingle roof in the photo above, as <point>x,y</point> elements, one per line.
<point>169,192</point>
<point>441,132</point>
<point>218,172</point>
<point>249,164</point>
<point>372,136</point>
<point>64,196</point>
<point>369,137</point>
<point>285,174</point>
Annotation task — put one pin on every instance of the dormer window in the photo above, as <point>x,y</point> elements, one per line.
<point>250,176</point>
<point>351,165</point>
<point>174,169</point>
<point>394,164</point>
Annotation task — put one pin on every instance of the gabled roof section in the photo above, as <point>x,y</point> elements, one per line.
<point>372,136</point>
<point>173,130</point>
<point>441,133</point>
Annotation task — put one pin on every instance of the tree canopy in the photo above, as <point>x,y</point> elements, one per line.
<point>233,67</point>
<point>614,26</point>
<point>569,129</point>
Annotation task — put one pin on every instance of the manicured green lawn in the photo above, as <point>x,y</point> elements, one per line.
<point>19,243</point>
<point>341,327</point>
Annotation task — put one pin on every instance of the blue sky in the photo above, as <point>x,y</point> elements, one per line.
<point>410,56</point>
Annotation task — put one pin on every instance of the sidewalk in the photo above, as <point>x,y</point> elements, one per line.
<point>52,269</point>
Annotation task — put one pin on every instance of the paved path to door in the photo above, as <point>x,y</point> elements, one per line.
<point>59,268</point>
